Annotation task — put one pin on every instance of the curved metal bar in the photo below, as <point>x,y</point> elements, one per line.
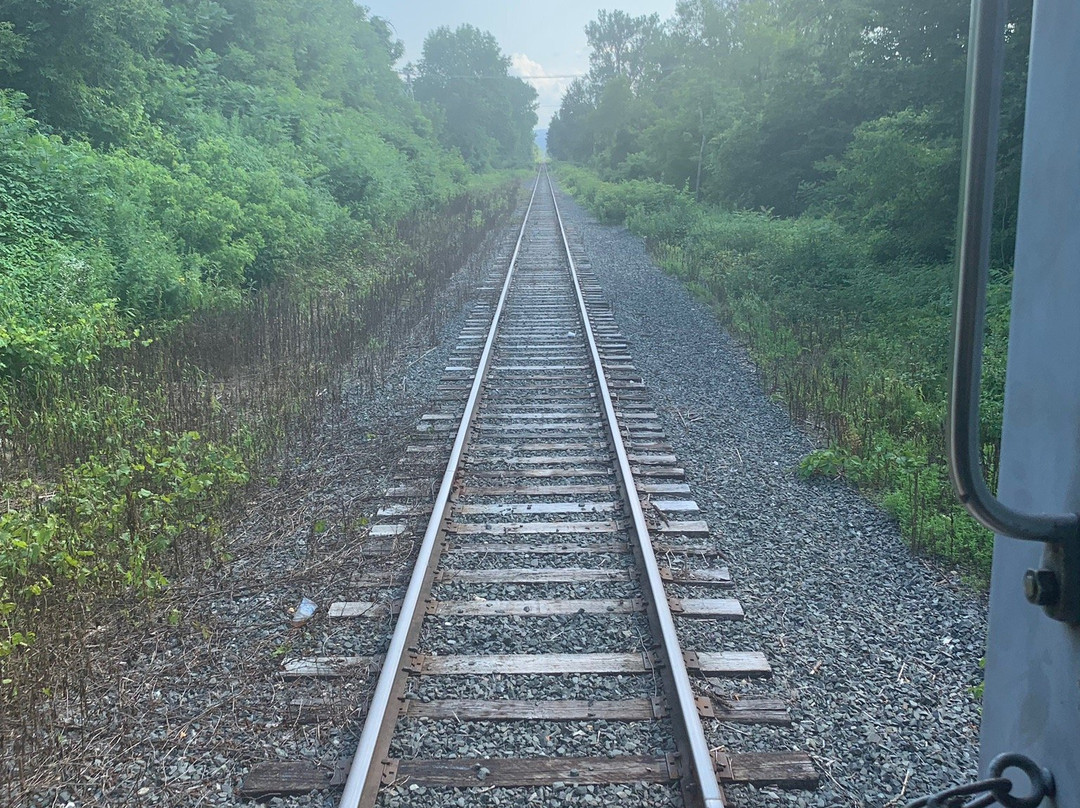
<point>363,763</point>
<point>986,45</point>
<point>711,794</point>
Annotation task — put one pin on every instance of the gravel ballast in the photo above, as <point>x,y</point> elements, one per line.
<point>877,651</point>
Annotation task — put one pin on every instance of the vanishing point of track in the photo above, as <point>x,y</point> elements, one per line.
<point>559,478</point>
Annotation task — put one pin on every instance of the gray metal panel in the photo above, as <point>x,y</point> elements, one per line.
<point>1032,702</point>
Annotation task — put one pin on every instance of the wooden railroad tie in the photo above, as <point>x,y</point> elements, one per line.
<point>779,769</point>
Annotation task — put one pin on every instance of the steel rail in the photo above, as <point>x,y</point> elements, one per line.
<point>363,763</point>
<point>712,796</point>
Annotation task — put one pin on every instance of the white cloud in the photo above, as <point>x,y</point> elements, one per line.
<point>549,90</point>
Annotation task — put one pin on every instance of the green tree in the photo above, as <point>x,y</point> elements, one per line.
<point>12,46</point>
<point>570,133</point>
<point>463,81</point>
<point>625,47</point>
<point>750,103</point>
<point>897,182</point>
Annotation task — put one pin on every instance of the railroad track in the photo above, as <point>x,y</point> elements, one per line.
<point>536,644</point>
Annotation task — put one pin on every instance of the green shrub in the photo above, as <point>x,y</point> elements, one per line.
<point>896,183</point>
<point>107,523</point>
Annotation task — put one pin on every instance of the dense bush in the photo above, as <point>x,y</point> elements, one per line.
<point>177,156</point>
<point>897,182</point>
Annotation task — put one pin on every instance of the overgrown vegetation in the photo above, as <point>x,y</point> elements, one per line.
<point>212,215</point>
<point>857,349</point>
<point>797,164</point>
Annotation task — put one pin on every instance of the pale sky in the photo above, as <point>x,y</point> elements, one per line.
<point>542,38</point>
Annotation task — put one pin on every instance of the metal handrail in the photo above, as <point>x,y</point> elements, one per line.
<point>712,795</point>
<point>363,768</point>
<point>986,46</point>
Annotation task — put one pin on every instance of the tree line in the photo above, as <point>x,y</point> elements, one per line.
<point>848,108</point>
